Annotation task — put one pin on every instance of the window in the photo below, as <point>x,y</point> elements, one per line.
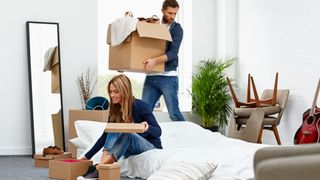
<point>108,11</point>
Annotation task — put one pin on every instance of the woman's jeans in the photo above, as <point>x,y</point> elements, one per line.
<point>126,144</point>
<point>155,86</point>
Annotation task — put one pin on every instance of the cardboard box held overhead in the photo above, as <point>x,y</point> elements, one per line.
<point>149,40</point>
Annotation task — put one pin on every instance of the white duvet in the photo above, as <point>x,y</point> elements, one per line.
<point>186,141</point>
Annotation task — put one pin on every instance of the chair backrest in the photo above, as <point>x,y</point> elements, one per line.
<point>250,133</point>
<point>282,100</point>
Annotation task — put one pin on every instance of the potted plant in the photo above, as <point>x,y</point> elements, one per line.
<point>210,94</point>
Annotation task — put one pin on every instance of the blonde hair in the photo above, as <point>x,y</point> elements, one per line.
<point>121,112</point>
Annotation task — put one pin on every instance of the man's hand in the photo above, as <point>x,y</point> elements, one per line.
<point>149,64</point>
<point>146,126</point>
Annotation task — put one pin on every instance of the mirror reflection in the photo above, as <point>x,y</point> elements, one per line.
<point>45,86</point>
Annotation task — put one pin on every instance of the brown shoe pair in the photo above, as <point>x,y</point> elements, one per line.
<point>52,150</point>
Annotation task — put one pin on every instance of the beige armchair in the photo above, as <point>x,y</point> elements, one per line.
<point>300,162</point>
<point>251,131</point>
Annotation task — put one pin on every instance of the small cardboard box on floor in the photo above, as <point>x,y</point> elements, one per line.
<point>149,40</point>
<point>43,161</point>
<point>68,169</point>
<point>109,171</point>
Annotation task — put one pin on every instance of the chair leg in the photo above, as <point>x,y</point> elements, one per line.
<point>275,91</point>
<point>260,136</point>
<point>248,90</point>
<point>233,94</point>
<point>276,134</point>
<point>255,93</point>
<point>239,126</point>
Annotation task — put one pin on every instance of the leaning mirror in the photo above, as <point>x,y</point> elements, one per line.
<point>45,86</point>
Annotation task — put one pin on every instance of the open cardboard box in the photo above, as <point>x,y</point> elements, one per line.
<point>74,115</point>
<point>43,161</point>
<point>149,40</point>
<point>68,169</point>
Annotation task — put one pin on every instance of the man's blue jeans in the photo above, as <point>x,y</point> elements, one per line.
<point>126,144</point>
<point>155,86</point>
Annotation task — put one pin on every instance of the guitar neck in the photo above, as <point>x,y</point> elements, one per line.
<point>315,99</point>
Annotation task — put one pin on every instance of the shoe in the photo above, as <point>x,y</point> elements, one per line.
<point>52,150</point>
<point>92,173</point>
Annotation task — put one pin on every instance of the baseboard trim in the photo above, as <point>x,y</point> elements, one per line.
<point>15,151</point>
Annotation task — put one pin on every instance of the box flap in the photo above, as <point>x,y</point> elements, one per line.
<point>43,157</point>
<point>157,31</point>
<point>109,35</point>
<point>49,156</point>
<point>108,166</point>
<point>55,57</point>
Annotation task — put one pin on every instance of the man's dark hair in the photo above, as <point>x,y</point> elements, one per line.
<point>170,3</point>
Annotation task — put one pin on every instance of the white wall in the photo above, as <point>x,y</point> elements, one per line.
<point>78,31</point>
<point>281,36</point>
<point>203,32</point>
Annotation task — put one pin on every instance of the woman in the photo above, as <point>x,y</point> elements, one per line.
<point>124,108</point>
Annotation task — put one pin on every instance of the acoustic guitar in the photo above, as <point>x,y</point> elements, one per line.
<point>309,131</point>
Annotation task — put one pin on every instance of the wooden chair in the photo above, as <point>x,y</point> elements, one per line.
<point>251,131</point>
<point>268,101</point>
<point>250,102</point>
<point>256,102</point>
<point>273,114</point>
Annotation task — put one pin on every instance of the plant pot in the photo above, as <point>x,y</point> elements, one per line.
<point>213,129</point>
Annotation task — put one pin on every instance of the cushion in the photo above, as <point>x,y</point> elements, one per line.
<point>185,170</point>
<point>246,112</point>
<point>89,131</point>
<point>78,143</point>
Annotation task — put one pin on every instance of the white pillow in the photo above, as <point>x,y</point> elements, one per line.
<point>185,170</point>
<point>89,131</point>
<point>78,143</point>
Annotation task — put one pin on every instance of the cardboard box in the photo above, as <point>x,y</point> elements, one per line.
<point>57,130</point>
<point>149,40</point>
<point>94,115</point>
<point>109,171</point>
<point>55,79</point>
<point>68,169</point>
<point>55,72</point>
<point>125,127</point>
<point>43,161</point>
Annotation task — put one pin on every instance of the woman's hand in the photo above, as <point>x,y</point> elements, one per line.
<point>83,158</point>
<point>146,126</point>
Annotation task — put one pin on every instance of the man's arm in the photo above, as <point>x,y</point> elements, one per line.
<point>172,51</point>
<point>150,62</point>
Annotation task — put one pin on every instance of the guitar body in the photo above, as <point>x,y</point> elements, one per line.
<point>309,131</point>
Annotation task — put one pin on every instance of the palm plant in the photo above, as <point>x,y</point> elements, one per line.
<point>210,94</point>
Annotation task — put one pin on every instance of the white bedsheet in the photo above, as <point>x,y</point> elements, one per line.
<point>186,141</point>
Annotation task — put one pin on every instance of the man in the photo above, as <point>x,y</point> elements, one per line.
<point>166,83</point>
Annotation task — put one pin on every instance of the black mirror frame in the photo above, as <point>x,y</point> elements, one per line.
<point>30,83</point>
